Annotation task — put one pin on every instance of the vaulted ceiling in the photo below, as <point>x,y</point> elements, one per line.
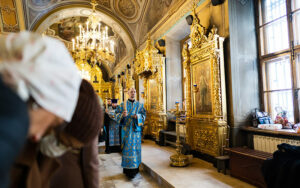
<point>129,19</point>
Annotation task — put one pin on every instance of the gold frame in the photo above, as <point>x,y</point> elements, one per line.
<point>206,133</point>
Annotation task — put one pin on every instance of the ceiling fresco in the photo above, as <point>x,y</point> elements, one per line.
<point>137,17</point>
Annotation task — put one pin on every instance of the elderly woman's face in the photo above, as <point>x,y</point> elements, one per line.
<point>40,121</point>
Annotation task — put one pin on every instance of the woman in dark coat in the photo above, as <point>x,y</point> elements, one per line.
<point>80,166</point>
<point>35,85</point>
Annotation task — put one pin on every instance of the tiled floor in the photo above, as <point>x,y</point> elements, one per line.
<point>111,175</point>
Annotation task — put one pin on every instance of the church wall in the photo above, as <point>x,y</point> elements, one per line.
<point>242,68</point>
<point>173,73</point>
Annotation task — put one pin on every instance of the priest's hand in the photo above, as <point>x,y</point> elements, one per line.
<point>134,116</point>
<point>124,114</point>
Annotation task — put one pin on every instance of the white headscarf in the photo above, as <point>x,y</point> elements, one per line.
<point>41,67</point>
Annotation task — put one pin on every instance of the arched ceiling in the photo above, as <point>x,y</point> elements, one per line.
<point>132,18</point>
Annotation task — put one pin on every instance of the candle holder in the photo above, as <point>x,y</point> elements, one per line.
<point>195,88</point>
<point>178,159</point>
<point>143,95</point>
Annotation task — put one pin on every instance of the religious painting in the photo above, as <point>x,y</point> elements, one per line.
<point>159,8</point>
<point>202,99</point>
<point>127,7</point>
<point>154,95</point>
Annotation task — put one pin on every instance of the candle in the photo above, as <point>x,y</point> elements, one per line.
<point>87,26</point>
<point>99,27</point>
<point>80,30</point>
<point>112,47</point>
<point>73,43</point>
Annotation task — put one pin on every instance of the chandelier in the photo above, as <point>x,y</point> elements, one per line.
<point>92,45</point>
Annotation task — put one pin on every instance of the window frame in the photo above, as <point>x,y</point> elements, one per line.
<point>291,52</point>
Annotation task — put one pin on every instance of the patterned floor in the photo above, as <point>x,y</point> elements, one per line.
<point>111,175</point>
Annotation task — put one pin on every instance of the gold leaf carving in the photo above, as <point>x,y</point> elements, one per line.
<point>105,3</point>
<point>9,16</point>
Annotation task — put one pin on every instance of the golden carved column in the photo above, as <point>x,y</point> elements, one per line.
<point>187,67</point>
<point>188,106</point>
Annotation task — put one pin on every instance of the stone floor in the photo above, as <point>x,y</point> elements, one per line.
<point>111,175</point>
<point>158,173</point>
<point>199,174</point>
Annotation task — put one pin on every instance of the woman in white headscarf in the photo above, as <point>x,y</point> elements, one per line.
<point>42,73</point>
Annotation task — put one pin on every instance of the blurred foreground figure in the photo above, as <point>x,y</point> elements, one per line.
<point>42,73</point>
<point>80,166</point>
<point>14,122</point>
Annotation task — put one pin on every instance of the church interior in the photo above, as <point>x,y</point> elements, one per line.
<point>219,80</point>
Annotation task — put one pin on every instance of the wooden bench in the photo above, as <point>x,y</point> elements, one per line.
<point>245,164</point>
<point>171,134</point>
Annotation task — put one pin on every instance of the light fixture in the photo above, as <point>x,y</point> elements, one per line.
<point>93,44</point>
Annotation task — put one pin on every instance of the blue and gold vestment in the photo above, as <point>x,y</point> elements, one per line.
<point>113,132</point>
<point>131,133</point>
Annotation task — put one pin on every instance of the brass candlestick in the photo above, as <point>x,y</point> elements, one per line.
<point>178,159</point>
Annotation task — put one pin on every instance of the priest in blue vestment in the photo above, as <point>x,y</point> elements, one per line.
<point>131,117</point>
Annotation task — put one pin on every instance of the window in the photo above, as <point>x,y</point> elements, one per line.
<point>279,39</point>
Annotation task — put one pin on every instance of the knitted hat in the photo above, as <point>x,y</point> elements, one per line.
<point>88,117</point>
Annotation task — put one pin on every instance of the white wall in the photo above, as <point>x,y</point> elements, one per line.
<point>173,73</point>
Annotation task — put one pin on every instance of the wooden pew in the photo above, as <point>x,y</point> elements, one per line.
<point>245,164</point>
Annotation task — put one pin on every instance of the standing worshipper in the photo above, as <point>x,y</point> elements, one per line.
<point>108,107</point>
<point>80,166</point>
<point>48,85</point>
<point>131,117</point>
<point>113,128</point>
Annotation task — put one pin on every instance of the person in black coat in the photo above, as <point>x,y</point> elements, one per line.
<point>14,123</point>
<point>283,169</point>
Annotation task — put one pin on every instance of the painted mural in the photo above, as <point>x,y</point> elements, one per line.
<point>159,8</point>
